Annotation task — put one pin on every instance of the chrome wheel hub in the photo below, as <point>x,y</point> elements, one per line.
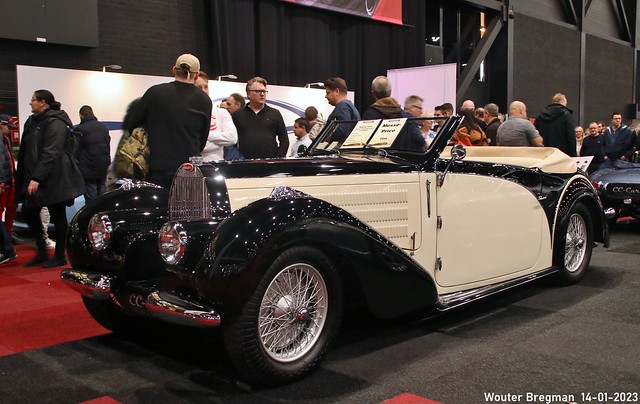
<point>293,312</point>
<point>576,238</point>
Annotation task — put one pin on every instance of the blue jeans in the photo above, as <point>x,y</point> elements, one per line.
<point>94,188</point>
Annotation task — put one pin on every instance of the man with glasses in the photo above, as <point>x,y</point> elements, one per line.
<point>592,146</point>
<point>261,129</point>
<point>413,105</point>
<point>618,141</point>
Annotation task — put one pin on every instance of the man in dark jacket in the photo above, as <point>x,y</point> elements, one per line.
<point>556,125</point>
<point>177,117</point>
<point>93,153</point>
<point>386,107</point>
<point>592,146</point>
<point>619,140</point>
<point>493,123</point>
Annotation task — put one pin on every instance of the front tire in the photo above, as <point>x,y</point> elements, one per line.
<point>286,327</point>
<point>574,245</point>
<point>108,315</point>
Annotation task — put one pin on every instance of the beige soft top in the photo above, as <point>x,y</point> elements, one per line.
<point>547,159</point>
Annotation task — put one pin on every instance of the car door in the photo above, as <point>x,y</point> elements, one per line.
<point>489,229</point>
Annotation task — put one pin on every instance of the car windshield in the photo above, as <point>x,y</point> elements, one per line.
<point>415,135</point>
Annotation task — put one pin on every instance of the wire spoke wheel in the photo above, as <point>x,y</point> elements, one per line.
<point>293,312</point>
<point>573,244</point>
<point>576,240</point>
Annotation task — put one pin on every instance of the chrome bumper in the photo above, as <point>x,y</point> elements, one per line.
<point>152,302</point>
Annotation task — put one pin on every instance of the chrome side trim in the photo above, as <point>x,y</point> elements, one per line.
<point>90,284</point>
<point>179,310</point>
<point>128,184</point>
<point>457,299</point>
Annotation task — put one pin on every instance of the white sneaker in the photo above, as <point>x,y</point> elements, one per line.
<point>50,243</point>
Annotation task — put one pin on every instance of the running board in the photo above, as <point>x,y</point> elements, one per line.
<point>457,299</point>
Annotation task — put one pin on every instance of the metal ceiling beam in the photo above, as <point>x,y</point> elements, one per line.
<point>621,18</point>
<point>478,55</point>
<point>570,11</point>
<point>587,6</point>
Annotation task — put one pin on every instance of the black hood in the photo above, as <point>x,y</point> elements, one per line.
<point>52,113</point>
<point>552,111</point>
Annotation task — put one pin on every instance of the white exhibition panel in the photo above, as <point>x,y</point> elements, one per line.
<point>110,93</point>
<point>435,84</point>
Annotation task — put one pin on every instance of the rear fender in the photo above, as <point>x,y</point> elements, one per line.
<point>580,190</point>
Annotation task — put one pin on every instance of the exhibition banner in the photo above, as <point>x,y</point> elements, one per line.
<point>380,10</point>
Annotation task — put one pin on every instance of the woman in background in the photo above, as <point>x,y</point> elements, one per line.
<point>579,138</point>
<point>469,132</point>
<point>47,174</point>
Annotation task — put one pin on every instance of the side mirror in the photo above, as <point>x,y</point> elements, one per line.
<point>302,149</point>
<point>458,153</point>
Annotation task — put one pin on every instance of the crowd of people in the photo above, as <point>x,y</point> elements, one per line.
<point>554,126</point>
<point>58,161</point>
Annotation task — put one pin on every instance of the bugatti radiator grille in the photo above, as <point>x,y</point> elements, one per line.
<point>189,198</point>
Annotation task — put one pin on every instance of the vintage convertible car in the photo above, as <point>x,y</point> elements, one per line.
<point>619,189</point>
<point>275,251</point>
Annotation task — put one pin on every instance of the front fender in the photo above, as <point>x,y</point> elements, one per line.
<point>137,215</point>
<point>245,244</point>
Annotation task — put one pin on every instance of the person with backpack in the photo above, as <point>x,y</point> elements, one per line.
<point>47,174</point>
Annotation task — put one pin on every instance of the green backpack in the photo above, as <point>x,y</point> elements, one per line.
<point>132,155</point>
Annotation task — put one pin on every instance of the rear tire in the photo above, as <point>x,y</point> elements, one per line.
<point>573,245</point>
<point>284,330</point>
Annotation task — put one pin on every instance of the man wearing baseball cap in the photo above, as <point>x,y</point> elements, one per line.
<point>176,117</point>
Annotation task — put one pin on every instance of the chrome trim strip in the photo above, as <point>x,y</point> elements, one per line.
<point>90,284</point>
<point>128,184</point>
<point>457,299</point>
<point>179,310</point>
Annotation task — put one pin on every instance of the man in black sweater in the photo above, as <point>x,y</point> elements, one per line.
<point>261,129</point>
<point>176,117</point>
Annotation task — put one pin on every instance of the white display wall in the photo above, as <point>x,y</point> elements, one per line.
<point>110,93</point>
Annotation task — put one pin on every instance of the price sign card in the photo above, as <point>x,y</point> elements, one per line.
<point>387,132</point>
<point>360,134</point>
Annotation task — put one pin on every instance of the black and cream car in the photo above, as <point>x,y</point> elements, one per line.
<point>274,251</point>
<point>619,189</point>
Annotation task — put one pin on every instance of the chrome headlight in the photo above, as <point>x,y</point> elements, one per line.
<point>172,242</point>
<point>99,231</point>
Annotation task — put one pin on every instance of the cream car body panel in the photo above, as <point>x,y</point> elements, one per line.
<point>491,228</point>
<point>392,208</point>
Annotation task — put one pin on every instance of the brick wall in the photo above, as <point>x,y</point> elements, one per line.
<point>143,36</point>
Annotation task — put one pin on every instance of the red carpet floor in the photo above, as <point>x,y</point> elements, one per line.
<point>37,309</point>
